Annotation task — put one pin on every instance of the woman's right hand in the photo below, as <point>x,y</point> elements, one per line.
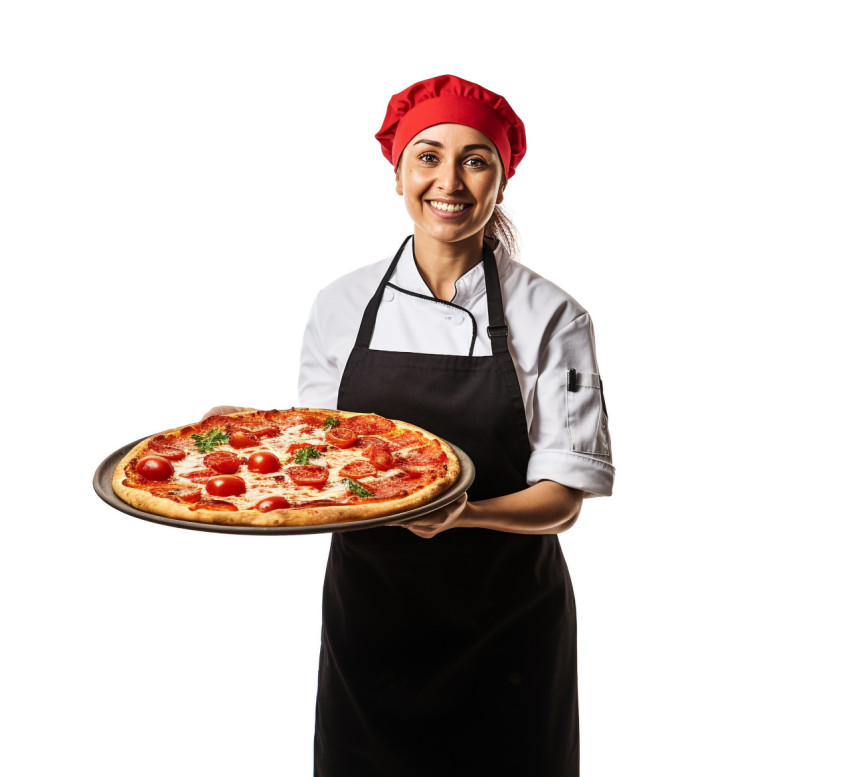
<point>225,410</point>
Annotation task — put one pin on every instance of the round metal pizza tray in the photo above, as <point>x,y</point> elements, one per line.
<point>103,487</point>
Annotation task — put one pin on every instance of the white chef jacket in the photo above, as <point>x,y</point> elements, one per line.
<point>550,335</point>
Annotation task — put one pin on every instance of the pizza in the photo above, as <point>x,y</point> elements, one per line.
<point>294,467</point>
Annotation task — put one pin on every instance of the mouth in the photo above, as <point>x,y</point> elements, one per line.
<point>448,209</point>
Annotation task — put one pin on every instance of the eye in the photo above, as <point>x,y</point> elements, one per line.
<point>428,157</point>
<point>475,162</point>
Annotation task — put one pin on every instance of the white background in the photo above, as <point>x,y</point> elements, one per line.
<point>180,178</point>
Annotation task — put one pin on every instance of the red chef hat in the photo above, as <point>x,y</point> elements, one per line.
<point>449,99</point>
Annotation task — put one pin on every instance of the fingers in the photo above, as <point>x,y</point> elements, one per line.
<point>223,410</point>
<point>431,524</point>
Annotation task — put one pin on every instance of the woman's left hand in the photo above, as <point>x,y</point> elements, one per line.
<point>433,523</point>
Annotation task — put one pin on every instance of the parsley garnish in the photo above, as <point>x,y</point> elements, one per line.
<point>330,423</point>
<point>355,488</point>
<point>303,455</point>
<point>209,440</point>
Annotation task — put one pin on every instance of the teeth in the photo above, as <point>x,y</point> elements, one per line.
<point>453,208</point>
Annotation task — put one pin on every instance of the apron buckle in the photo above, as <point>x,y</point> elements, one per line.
<point>497,331</point>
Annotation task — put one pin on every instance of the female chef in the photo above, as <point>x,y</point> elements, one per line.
<point>449,643</point>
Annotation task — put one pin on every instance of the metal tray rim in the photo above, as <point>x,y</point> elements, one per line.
<point>102,483</point>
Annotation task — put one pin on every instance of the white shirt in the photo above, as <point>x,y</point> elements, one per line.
<point>549,335</point>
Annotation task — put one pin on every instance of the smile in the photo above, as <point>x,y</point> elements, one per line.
<point>454,207</point>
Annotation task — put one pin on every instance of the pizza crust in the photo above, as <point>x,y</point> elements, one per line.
<point>296,516</point>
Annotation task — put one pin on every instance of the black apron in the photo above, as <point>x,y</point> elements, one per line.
<point>454,655</point>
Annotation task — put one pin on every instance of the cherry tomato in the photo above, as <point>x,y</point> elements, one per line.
<point>225,485</point>
<point>341,437</point>
<point>154,468</point>
<point>243,440</point>
<point>309,475</point>
<point>272,503</point>
<point>264,462</point>
<point>223,462</point>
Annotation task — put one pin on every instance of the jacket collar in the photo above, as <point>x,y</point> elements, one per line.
<point>467,287</point>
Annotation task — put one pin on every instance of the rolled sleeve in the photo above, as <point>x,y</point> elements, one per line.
<point>570,440</point>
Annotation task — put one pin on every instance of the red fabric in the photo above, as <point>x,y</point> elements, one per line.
<point>449,99</point>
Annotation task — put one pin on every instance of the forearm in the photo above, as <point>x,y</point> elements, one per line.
<point>544,508</point>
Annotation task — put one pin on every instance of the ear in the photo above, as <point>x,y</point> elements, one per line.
<point>398,186</point>
<point>501,195</point>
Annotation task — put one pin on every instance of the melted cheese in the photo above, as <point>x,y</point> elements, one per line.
<point>260,486</point>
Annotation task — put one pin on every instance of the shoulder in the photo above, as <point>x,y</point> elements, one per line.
<point>527,293</point>
<point>358,285</point>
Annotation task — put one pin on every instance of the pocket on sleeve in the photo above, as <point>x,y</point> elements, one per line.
<point>586,414</point>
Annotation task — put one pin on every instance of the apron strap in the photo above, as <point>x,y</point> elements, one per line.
<point>370,315</point>
<point>497,329</point>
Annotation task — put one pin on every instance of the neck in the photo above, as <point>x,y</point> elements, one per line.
<point>441,264</point>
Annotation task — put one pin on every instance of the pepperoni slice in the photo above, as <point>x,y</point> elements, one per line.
<point>309,475</point>
<point>341,437</point>
<point>303,418</point>
<point>387,489</point>
<point>225,485</point>
<point>160,446</point>
<point>368,424</point>
<point>198,475</point>
<point>188,495</point>
<point>370,444</point>
<point>430,455</point>
<point>403,438</point>
<point>223,462</point>
<point>272,503</point>
<point>214,504</point>
<point>260,431</point>
<point>383,460</point>
<point>360,468</point>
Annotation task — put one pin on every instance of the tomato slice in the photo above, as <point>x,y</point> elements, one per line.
<point>359,468</point>
<point>264,462</point>
<point>223,462</point>
<point>243,440</point>
<point>309,475</point>
<point>272,503</point>
<point>154,468</point>
<point>225,485</point>
<point>341,437</point>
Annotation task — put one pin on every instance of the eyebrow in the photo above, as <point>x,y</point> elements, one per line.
<point>470,147</point>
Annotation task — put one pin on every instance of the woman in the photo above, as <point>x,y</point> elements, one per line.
<point>448,643</point>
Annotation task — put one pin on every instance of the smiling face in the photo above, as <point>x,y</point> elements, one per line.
<point>450,176</point>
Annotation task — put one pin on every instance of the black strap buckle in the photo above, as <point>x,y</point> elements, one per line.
<point>497,331</point>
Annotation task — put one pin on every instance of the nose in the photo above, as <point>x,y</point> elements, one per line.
<point>450,179</point>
